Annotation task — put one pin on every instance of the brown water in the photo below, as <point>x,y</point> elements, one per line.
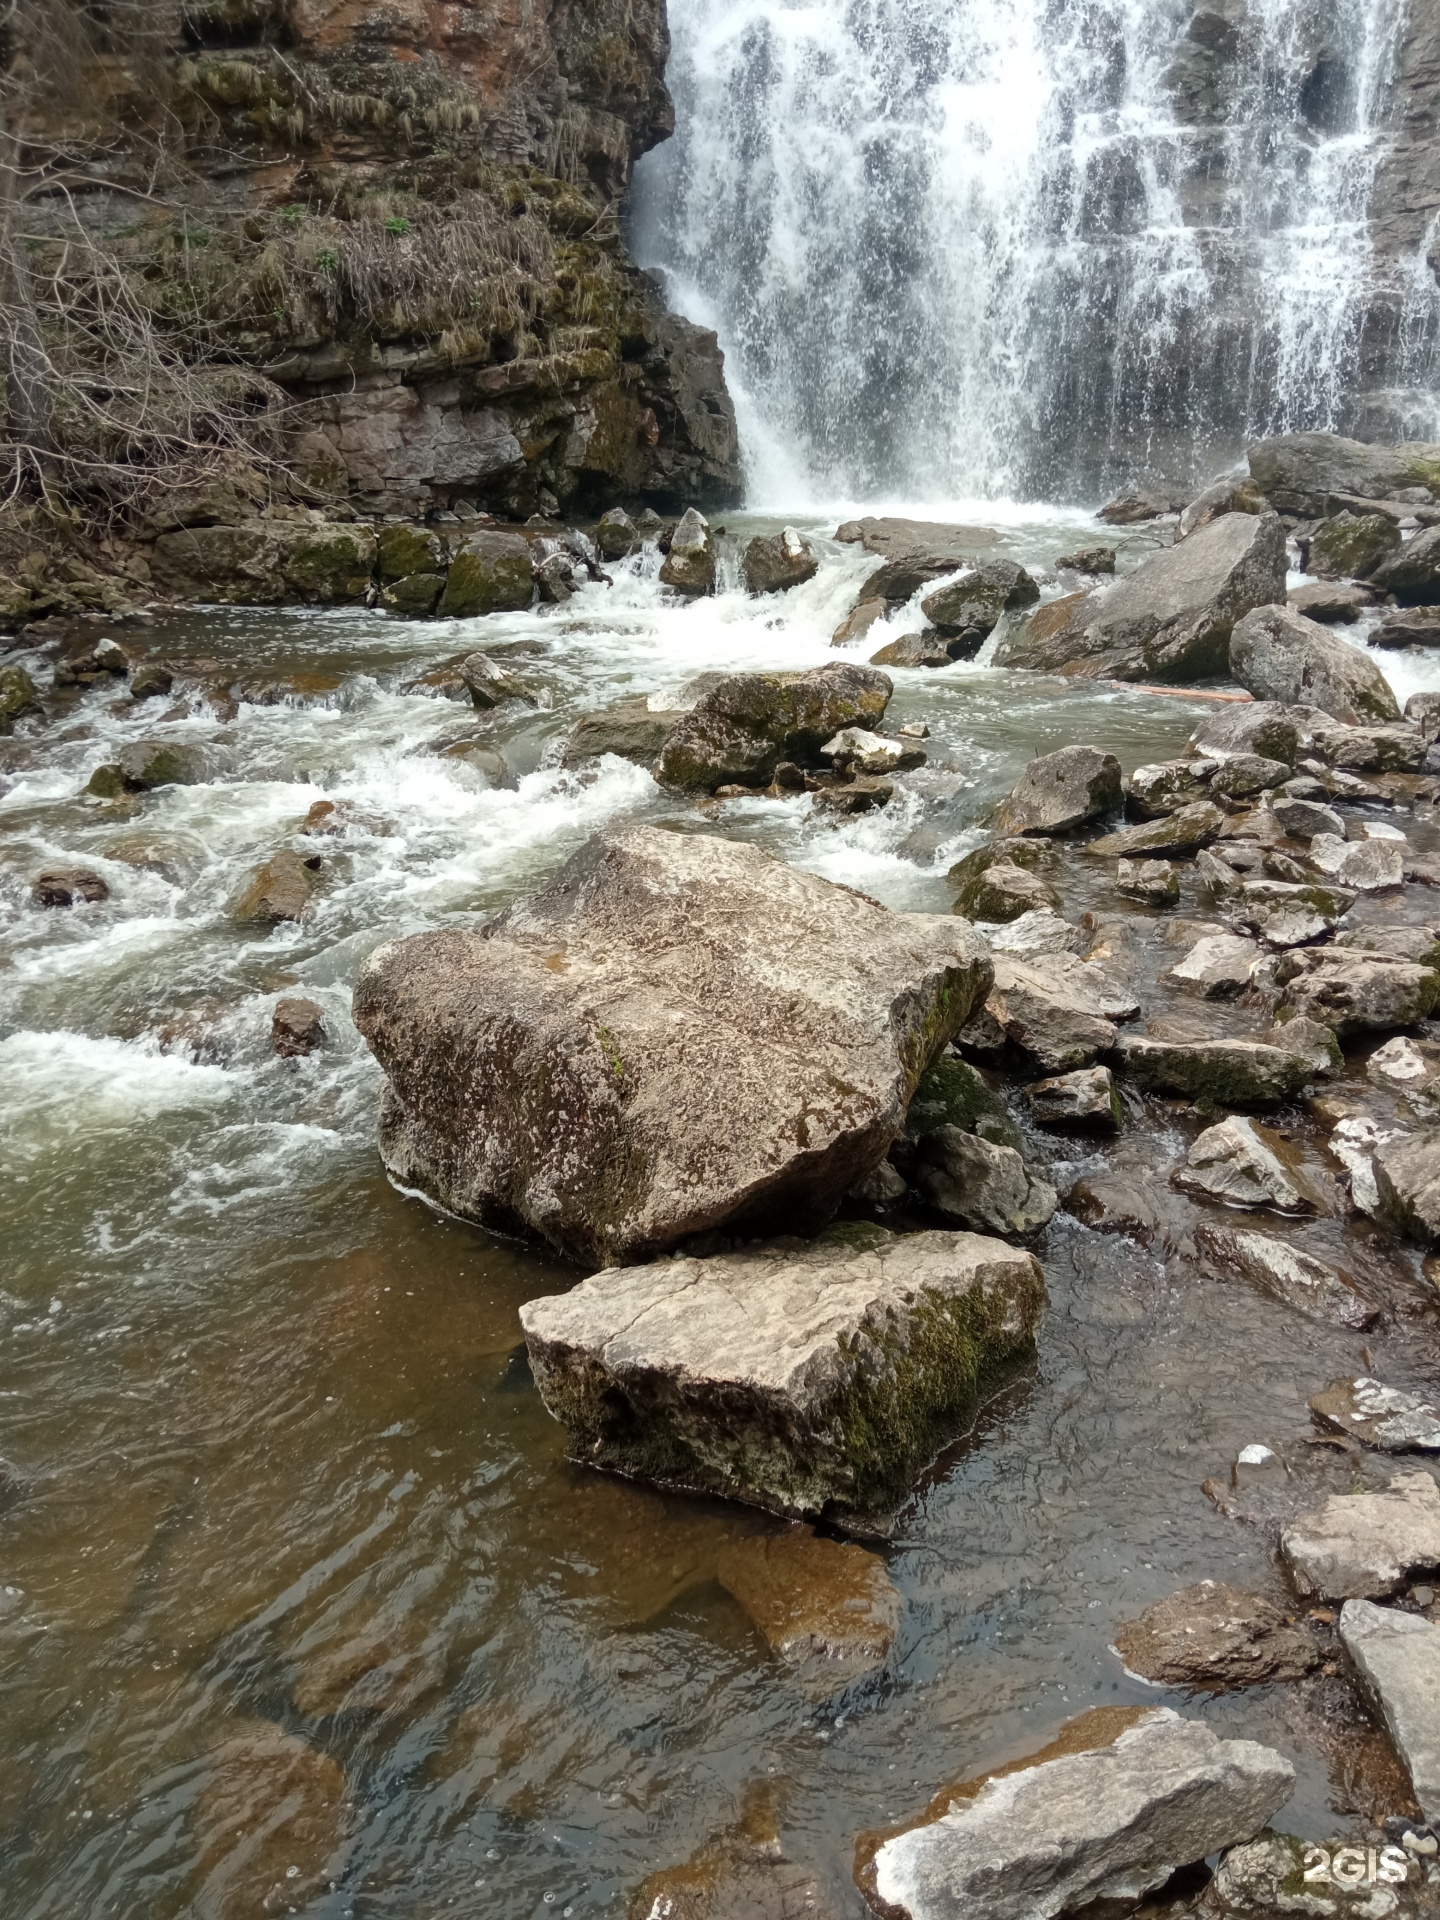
<point>274,1421</point>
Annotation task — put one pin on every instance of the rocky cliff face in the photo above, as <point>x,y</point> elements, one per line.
<point>406,214</point>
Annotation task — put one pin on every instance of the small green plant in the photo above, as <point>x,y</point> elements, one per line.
<point>327,260</point>
<point>197,236</point>
<point>397,224</point>
<point>293,214</point>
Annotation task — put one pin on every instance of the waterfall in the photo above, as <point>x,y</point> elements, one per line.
<point>1029,248</point>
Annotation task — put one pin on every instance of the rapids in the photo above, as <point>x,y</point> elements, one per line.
<point>264,1407</point>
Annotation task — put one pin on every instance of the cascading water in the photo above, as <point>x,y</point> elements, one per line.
<point>1027,247</point>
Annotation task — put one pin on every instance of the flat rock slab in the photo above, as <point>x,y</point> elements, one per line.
<point>1183,831</point>
<point>678,1032</point>
<point>1217,1636</point>
<point>1397,1656</point>
<point>1237,1073</point>
<point>827,1609</point>
<point>810,1379</point>
<point>1378,1416</point>
<point>1120,1801</point>
<point>1290,1275</point>
<point>1364,1546</point>
<point>1059,1008</point>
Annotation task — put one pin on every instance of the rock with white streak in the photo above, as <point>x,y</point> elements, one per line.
<point>1365,1546</point>
<point>1408,1067</point>
<point>813,1379</point>
<point>1378,1416</point>
<point>1353,1144</point>
<point>1397,1656</point>
<point>1109,1811</point>
<point>1407,1184</point>
<point>1242,1164</point>
<point>1369,866</point>
<point>1287,1274</point>
<point>677,1032</point>
<point>1217,967</point>
<point>1039,931</point>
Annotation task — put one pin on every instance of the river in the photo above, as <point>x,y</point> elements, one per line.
<point>272,1419</point>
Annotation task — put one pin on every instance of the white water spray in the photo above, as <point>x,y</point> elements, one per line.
<point>1024,247</point>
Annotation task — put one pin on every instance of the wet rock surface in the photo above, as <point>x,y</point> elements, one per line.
<point>1365,1546</point>
<point>1397,1656</point>
<point>741,729</point>
<point>827,1609</point>
<point>613,977</point>
<point>815,1380</point>
<point>1277,654</point>
<point>1216,1636</point>
<point>1122,1800</point>
<point>1061,792</point>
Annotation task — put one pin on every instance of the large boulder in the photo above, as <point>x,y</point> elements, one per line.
<point>676,1033</point>
<point>1263,727</point>
<point>1062,791</point>
<point>915,552</point>
<point>981,1184</point>
<point>1298,472</point>
<point>811,1379</point>
<point>741,729</point>
<point>975,604</point>
<point>1169,620</point>
<point>1407,1179</point>
<point>1413,574</point>
<point>490,573</point>
<point>689,567</point>
<point>1122,1799</point>
<point>1229,1073</point>
<point>1351,546</point>
<point>1352,992</point>
<point>776,562</point>
<point>1279,655</point>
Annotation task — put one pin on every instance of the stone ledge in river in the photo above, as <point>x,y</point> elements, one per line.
<point>676,1033</point>
<point>1298,472</point>
<point>1171,620</point>
<point>743,727</point>
<point>1229,1073</point>
<point>1121,1799</point>
<point>1288,1274</point>
<point>267,562</point>
<point>814,1380</point>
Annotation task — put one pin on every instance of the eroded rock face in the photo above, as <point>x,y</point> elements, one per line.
<point>1279,655</point>
<point>740,730</point>
<point>811,1379</point>
<point>1121,1800</point>
<point>1171,619</point>
<point>676,1033</point>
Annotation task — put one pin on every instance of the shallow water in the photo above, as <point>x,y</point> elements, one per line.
<point>265,1407</point>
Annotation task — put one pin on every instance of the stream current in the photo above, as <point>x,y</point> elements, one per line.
<point>272,1419</point>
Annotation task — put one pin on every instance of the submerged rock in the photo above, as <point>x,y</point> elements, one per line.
<point>1397,1656</point>
<point>1233,1073</point>
<point>814,1380</point>
<point>1217,1636</point>
<point>1062,791</point>
<point>270,1822</point>
<point>689,567</point>
<point>1280,655</point>
<point>160,763</point>
<point>676,1033</point>
<point>1365,1546</point>
<point>1242,1164</point>
<point>981,1184</point>
<point>1119,1802</point>
<point>1289,1275</point>
<point>740,1874</point>
<point>297,1027</point>
<point>68,887</point>
<point>278,890</point>
<point>774,563</point>
<point>741,729</point>
<point>827,1609</point>
<point>1171,620</point>
<point>1378,1416</point>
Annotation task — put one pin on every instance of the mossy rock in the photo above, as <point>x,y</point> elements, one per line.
<point>331,564</point>
<point>18,695</point>
<point>416,595</point>
<point>1351,546</point>
<point>490,573</point>
<point>1034,855</point>
<point>403,551</point>
<point>953,1094</point>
